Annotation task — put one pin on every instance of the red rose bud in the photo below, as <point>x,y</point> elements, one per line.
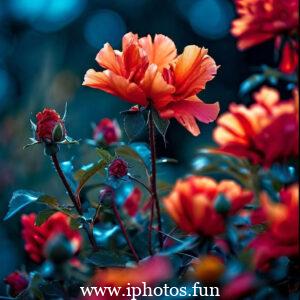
<point>107,131</point>
<point>17,282</point>
<point>118,168</point>
<point>50,127</point>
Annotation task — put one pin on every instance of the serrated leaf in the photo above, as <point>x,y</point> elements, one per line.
<point>104,154</point>
<point>43,216</point>
<point>134,123</point>
<point>22,198</point>
<point>108,258</point>
<point>162,125</point>
<point>89,172</point>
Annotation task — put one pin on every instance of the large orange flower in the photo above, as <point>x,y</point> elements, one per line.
<point>261,20</point>
<point>282,235</point>
<point>193,204</point>
<point>264,133</point>
<point>149,72</point>
<point>150,272</point>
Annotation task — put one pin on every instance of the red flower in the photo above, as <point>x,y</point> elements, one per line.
<point>289,56</point>
<point>193,204</point>
<point>282,234</point>
<point>152,271</point>
<point>131,204</point>
<point>149,72</point>
<point>266,132</point>
<point>261,20</point>
<point>107,131</point>
<point>240,287</point>
<point>17,282</point>
<point>37,237</point>
<point>118,168</point>
<point>50,127</point>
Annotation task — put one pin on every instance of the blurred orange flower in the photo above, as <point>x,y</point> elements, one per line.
<point>261,20</point>
<point>193,204</point>
<point>151,271</point>
<point>149,72</point>
<point>282,235</point>
<point>265,132</point>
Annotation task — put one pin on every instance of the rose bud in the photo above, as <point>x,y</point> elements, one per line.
<point>107,132</point>
<point>17,282</point>
<point>50,127</point>
<point>105,195</point>
<point>118,168</point>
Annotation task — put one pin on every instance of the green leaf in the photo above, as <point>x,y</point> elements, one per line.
<point>161,124</point>
<point>43,216</point>
<point>84,175</point>
<point>75,223</point>
<point>108,258</point>
<point>105,155</point>
<point>134,123</point>
<point>22,198</point>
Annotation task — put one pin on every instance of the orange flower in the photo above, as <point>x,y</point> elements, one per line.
<point>151,271</point>
<point>149,72</point>
<point>265,132</point>
<point>261,20</point>
<point>193,204</point>
<point>282,235</point>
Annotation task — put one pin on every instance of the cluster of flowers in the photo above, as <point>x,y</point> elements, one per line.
<point>215,223</point>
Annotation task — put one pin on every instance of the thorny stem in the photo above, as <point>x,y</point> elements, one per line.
<point>116,212</point>
<point>89,228</point>
<point>154,196</point>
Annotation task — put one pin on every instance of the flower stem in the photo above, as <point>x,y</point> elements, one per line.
<point>153,184</point>
<point>77,204</point>
<point>116,212</point>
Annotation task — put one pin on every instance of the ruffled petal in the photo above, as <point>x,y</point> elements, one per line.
<point>162,51</point>
<point>185,111</point>
<point>109,59</point>
<point>192,70</point>
<point>156,88</point>
<point>116,85</point>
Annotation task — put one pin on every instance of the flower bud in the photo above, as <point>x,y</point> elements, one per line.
<point>107,132</point>
<point>17,282</point>
<point>105,194</point>
<point>118,168</point>
<point>59,249</point>
<point>50,127</point>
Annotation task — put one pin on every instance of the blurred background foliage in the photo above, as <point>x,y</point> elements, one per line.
<point>45,48</point>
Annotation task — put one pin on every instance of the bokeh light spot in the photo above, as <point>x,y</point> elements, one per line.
<point>104,26</point>
<point>211,18</point>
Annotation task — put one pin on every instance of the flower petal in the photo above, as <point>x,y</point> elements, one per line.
<point>116,85</point>
<point>193,69</point>
<point>109,59</point>
<point>185,111</point>
<point>161,51</point>
<point>156,88</point>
